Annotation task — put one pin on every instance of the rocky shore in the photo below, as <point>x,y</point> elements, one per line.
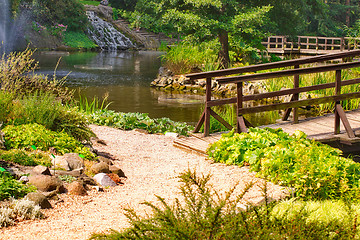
<point>167,81</point>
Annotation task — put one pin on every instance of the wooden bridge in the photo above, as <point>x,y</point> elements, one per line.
<point>310,45</point>
<point>325,129</point>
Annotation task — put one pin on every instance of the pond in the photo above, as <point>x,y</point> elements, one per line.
<point>125,77</point>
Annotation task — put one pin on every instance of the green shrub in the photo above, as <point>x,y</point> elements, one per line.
<point>128,121</point>
<point>203,213</point>
<point>25,136</point>
<point>315,170</point>
<point>26,158</point>
<point>10,187</point>
<point>6,105</point>
<point>78,40</point>
<point>73,122</point>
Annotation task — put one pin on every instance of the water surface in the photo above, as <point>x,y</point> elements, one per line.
<point>125,77</point>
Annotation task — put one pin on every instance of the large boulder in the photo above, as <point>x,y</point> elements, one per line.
<point>39,199</point>
<point>104,180</point>
<point>46,183</point>
<point>100,167</point>
<point>76,188</point>
<point>42,170</point>
<point>68,162</point>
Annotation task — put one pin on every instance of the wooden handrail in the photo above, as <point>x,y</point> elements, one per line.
<point>267,66</point>
<point>285,73</point>
<point>294,103</point>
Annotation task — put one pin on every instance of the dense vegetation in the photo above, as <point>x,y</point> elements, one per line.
<point>203,213</point>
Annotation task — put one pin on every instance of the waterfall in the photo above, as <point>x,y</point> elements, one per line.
<point>4,24</point>
<point>105,35</point>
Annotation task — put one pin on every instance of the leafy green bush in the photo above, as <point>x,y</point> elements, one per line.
<point>128,121</point>
<point>26,158</point>
<point>25,136</point>
<point>315,170</point>
<point>6,105</point>
<point>203,213</point>
<point>10,187</point>
<point>78,40</point>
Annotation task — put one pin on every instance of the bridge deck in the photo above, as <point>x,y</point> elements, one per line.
<point>317,128</point>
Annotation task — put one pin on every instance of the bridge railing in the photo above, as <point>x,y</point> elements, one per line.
<point>310,44</point>
<point>294,103</point>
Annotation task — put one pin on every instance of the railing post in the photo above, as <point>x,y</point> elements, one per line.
<point>337,92</point>
<point>240,125</point>
<point>207,108</point>
<point>296,96</point>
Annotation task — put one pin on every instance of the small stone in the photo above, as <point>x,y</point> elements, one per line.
<point>104,180</point>
<point>42,170</point>
<point>24,179</point>
<point>98,188</point>
<point>105,160</point>
<point>114,177</point>
<point>85,179</point>
<point>116,170</point>
<point>100,167</point>
<point>39,199</point>
<point>76,188</point>
<point>68,162</point>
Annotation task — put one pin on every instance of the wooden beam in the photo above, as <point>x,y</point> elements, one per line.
<point>337,92</point>
<point>241,124</point>
<point>207,108</point>
<point>200,122</point>
<point>285,73</point>
<point>220,119</point>
<point>345,121</point>
<point>273,65</point>
<point>306,102</point>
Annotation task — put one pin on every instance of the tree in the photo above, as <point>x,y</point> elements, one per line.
<point>203,20</point>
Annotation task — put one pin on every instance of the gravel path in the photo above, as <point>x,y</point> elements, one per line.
<point>152,165</point>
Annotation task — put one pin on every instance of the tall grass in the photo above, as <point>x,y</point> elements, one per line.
<point>315,79</point>
<point>90,107</point>
<point>185,58</point>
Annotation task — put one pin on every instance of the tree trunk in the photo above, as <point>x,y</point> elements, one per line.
<point>224,50</point>
<point>347,20</point>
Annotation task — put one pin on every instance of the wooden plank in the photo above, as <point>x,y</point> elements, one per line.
<point>340,111</point>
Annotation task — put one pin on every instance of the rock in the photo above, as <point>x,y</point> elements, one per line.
<point>75,173</point>
<point>42,170</point>
<point>39,199</point>
<point>46,183</point>
<point>68,162</point>
<point>104,2</point>
<point>2,141</point>
<point>76,188</point>
<point>95,140</point>
<point>116,170</point>
<point>114,177</point>
<point>87,180</point>
<point>24,179</point>
<point>104,180</point>
<point>98,188</point>
<point>105,160</point>
<point>51,195</point>
<point>100,167</point>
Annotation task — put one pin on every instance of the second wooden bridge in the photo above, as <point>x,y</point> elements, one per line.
<point>325,129</point>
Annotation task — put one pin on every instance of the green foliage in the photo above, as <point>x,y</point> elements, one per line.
<point>128,5</point>
<point>314,170</point>
<point>25,158</point>
<point>9,187</point>
<point>70,13</point>
<point>128,121</point>
<point>24,136</point>
<point>93,3</point>
<point>73,122</point>
<point>17,77</point>
<point>186,57</point>
<point>95,105</point>
<point>67,178</point>
<point>78,40</point>
<point>203,213</point>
